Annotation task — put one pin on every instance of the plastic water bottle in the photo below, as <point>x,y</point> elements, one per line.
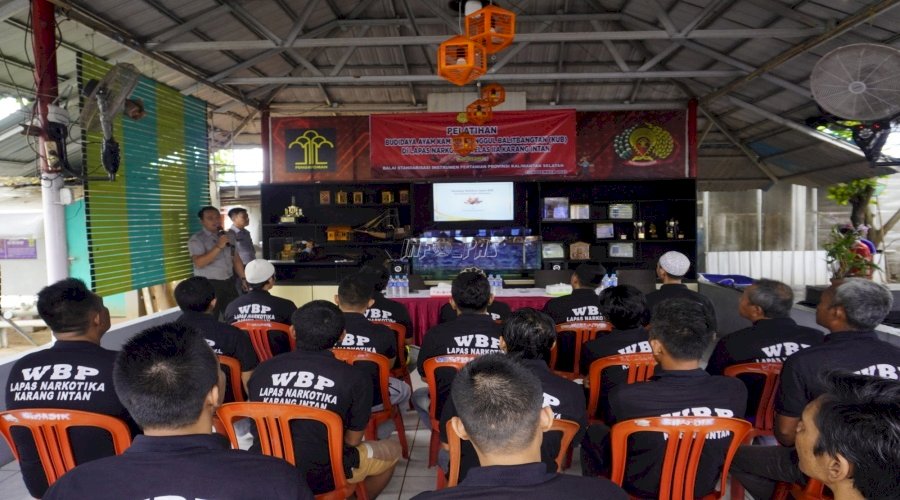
<point>614,280</point>
<point>499,283</point>
<point>492,283</point>
<point>404,285</point>
<point>605,283</point>
<point>392,286</point>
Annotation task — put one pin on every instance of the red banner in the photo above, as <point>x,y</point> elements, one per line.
<point>513,143</point>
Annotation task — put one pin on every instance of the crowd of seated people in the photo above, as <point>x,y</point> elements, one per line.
<point>166,383</point>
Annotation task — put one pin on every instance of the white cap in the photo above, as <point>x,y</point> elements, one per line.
<point>674,263</point>
<point>258,271</point>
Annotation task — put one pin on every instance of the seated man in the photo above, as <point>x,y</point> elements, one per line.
<point>353,298</point>
<point>473,332</point>
<point>528,336</point>
<point>679,335</point>
<point>46,378</point>
<point>260,305</point>
<point>582,304</point>
<point>849,438</point>
<point>311,376</point>
<point>670,269</point>
<point>501,411</point>
<point>850,310</point>
<point>384,309</point>
<point>196,298</point>
<point>169,380</point>
<point>623,306</point>
<point>774,335</point>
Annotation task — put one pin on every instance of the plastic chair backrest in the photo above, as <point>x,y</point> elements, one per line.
<point>400,331</point>
<point>259,336</point>
<point>274,433</point>
<point>584,331</point>
<point>684,446</point>
<point>234,376</point>
<point>765,412</point>
<point>353,356</point>
<point>49,428</point>
<point>568,429</point>
<point>640,368</point>
<point>431,365</point>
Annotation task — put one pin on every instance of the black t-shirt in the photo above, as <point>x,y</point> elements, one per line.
<point>615,342</point>
<point>365,335</point>
<point>499,311</point>
<point>385,309</point>
<point>317,380</point>
<point>683,393</point>
<point>563,396</point>
<point>526,482</point>
<point>191,466</point>
<point>858,352</point>
<point>681,291</point>
<point>72,375</point>
<point>223,339</point>
<point>582,304</point>
<point>260,305</point>
<point>467,334</point>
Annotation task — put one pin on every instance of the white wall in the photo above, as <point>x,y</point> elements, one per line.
<point>22,216</point>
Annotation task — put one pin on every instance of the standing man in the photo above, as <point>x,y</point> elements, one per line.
<point>243,243</point>
<point>74,374</point>
<point>670,269</point>
<point>213,254</point>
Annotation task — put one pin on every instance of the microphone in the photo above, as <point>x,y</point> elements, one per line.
<point>222,232</point>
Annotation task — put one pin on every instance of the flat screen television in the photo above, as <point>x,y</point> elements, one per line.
<point>473,201</point>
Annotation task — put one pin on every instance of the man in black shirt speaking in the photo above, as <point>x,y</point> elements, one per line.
<point>500,410</point>
<point>169,379</point>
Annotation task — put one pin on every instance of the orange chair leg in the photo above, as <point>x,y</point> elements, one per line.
<point>737,489</point>
<point>361,492</point>
<point>441,479</point>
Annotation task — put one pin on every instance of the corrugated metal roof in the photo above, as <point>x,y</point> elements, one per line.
<point>703,36</point>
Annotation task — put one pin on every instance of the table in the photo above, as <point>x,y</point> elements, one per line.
<point>424,310</point>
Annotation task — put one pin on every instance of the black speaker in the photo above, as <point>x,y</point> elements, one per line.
<point>399,266</point>
<point>555,265</point>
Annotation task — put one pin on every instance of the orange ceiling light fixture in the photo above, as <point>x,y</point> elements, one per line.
<point>464,143</point>
<point>494,94</point>
<point>461,60</point>
<point>479,112</point>
<point>492,27</point>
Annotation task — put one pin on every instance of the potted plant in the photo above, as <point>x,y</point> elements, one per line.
<point>847,256</point>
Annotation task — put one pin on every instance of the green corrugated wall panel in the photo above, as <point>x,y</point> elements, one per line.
<point>138,226</point>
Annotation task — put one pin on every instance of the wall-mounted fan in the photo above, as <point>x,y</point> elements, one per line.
<point>102,100</point>
<point>861,82</point>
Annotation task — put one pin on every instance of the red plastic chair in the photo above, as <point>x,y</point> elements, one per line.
<point>276,440</point>
<point>49,428</point>
<point>584,331</point>
<point>764,423</point>
<point>568,429</point>
<point>389,411</point>
<point>402,371</point>
<point>455,361</point>
<point>259,336</point>
<point>640,368</point>
<point>684,445</point>
<point>234,377</point>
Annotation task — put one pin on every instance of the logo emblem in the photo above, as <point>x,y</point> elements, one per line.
<point>644,145</point>
<point>311,149</point>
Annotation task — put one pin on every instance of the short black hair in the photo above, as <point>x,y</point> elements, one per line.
<point>624,306</point>
<point>376,274</point>
<point>207,208</point>
<point>355,290</point>
<point>471,291</point>
<point>318,325</point>
<point>67,305</point>
<point>858,418</point>
<point>683,328</point>
<point>163,375</point>
<point>776,299</point>
<point>529,334</point>
<point>235,211</point>
<point>499,402</point>
<point>590,275</point>
<point>195,294</point>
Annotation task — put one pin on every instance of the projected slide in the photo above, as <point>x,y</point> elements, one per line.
<point>473,201</point>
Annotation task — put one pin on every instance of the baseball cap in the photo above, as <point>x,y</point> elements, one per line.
<point>258,271</point>
<point>674,263</point>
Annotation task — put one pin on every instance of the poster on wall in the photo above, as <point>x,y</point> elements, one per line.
<point>21,248</point>
<point>320,148</point>
<point>513,143</point>
<point>634,145</point>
